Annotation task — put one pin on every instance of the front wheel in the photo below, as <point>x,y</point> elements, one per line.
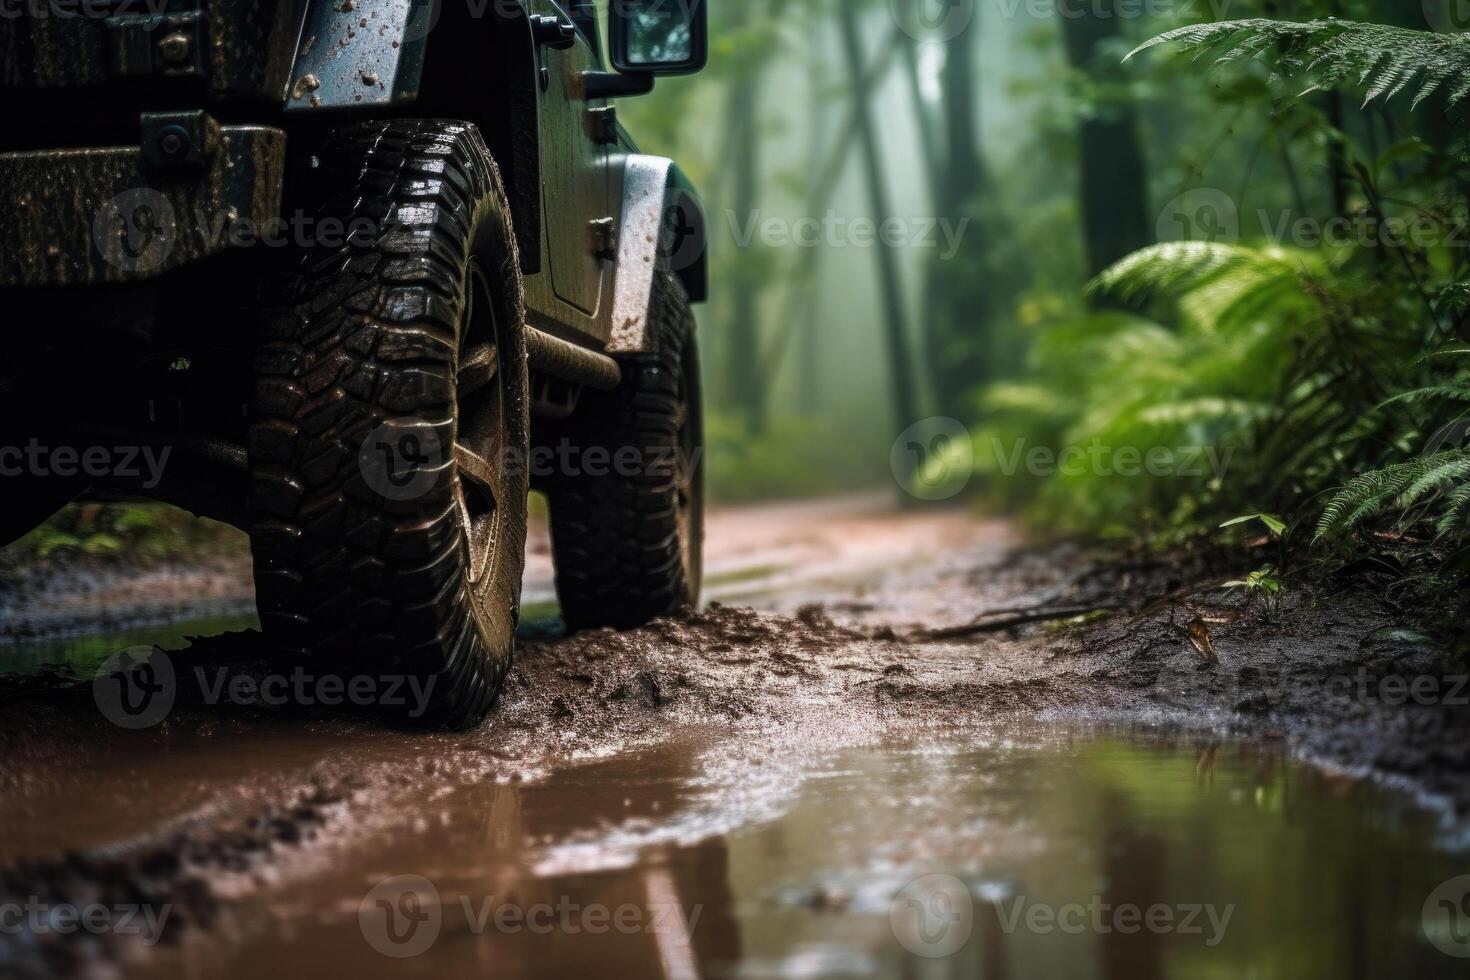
<point>388,483</point>
<point>627,511</point>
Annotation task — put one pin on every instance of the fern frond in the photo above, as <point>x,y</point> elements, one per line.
<point>1457,389</point>
<point>1178,268</point>
<point>1201,410</point>
<point>1401,485</point>
<point>1456,507</point>
<point>1386,60</point>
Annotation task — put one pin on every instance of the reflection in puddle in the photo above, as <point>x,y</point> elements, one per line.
<point>1050,856</point>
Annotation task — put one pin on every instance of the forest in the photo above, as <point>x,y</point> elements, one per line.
<point>1206,260</point>
<point>1043,551</point>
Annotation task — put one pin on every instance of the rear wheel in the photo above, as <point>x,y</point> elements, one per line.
<point>627,515</point>
<point>387,454</point>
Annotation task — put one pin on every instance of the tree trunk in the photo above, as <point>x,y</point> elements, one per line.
<point>963,345</point>
<point>905,407</point>
<point>745,382</point>
<point>1114,189</point>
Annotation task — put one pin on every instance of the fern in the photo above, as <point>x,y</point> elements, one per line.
<point>1386,60</point>
<point>1224,285</point>
<point>1400,486</point>
<point>1451,522</point>
<point>1178,267</point>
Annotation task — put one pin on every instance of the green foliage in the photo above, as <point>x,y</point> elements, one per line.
<point>1273,524</point>
<point>796,457</point>
<point>138,533</point>
<point>1317,370</point>
<point>1263,584</point>
<point>1403,487</point>
<point>1384,60</point>
<point>1205,375</point>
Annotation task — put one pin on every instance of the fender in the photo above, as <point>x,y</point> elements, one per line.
<point>662,223</point>
<point>340,64</point>
<point>458,82</point>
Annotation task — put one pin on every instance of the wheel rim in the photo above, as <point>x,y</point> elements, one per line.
<point>481,440</point>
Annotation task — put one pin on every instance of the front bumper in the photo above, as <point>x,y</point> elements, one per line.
<point>112,215</point>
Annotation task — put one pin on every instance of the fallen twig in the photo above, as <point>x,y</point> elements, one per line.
<point>1007,618</point>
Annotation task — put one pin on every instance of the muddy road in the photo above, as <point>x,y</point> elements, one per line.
<point>891,744</point>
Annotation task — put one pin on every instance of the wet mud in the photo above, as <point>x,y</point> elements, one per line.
<point>841,629</point>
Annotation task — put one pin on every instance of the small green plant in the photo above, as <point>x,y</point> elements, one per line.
<point>1273,524</point>
<point>1264,584</point>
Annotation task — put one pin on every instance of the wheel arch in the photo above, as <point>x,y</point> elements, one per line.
<point>661,224</point>
<point>417,52</point>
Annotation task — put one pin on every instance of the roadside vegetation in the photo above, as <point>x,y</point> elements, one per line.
<point>134,533</point>
<point>1318,346</point>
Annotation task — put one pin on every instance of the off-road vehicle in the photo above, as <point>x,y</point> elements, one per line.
<point>362,273</point>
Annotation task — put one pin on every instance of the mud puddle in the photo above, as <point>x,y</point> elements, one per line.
<point>1020,852</point>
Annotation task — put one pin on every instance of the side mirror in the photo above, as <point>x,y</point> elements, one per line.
<point>659,37</point>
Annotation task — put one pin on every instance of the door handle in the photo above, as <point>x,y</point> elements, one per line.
<point>553,32</point>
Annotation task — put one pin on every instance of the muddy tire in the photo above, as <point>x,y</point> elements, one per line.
<point>627,540</point>
<point>388,531</point>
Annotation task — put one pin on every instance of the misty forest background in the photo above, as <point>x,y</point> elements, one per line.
<point>1135,267</point>
<point>1140,264</point>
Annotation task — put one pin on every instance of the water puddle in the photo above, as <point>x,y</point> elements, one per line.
<point>1040,854</point>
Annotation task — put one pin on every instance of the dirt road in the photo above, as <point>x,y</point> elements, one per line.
<point>755,788</point>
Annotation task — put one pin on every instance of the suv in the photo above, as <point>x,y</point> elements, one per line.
<point>359,274</point>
